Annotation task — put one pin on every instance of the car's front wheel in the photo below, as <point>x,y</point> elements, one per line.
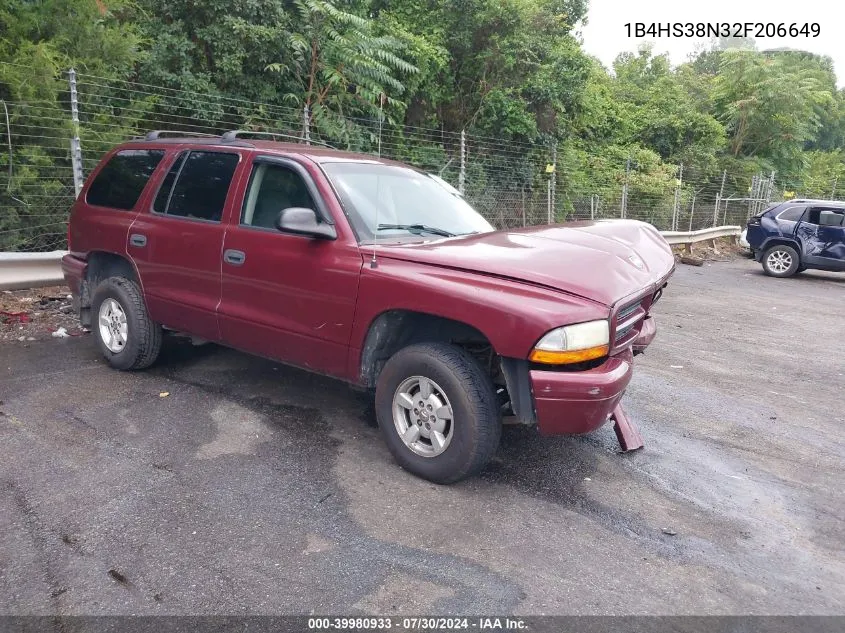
<point>781,261</point>
<point>125,334</point>
<point>437,412</point>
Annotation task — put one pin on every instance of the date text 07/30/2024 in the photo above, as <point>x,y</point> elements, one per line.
<point>427,624</point>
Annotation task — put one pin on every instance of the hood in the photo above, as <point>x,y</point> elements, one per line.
<point>604,261</point>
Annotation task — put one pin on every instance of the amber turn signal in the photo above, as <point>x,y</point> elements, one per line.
<point>568,357</point>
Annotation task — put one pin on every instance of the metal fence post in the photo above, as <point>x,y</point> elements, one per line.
<point>462,174</point>
<point>691,212</point>
<point>306,124</point>
<point>770,188</point>
<point>75,144</point>
<point>676,205</point>
<point>719,198</point>
<point>625,189</point>
<point>522,188</point>
<point>833,192</point>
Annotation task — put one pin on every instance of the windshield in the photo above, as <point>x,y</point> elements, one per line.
<point>390,201</point>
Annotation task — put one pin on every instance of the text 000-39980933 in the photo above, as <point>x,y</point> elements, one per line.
<point>722,29</point>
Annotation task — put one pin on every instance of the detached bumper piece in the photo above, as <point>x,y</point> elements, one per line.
<point>626,431</point>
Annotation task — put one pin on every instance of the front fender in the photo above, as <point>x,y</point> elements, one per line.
<point>511,314</point>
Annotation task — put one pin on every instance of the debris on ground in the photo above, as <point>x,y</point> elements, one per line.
<point>669,532</point>
<point>722,249</point>
<point>118,577</point>
<point>691,260</point>
<point>37,314</point>
<point>60,333</point>
<point>164,394</point>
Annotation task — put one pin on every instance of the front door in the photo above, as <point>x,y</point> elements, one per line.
<point>176,244</point>
<point>822,238</point>
<point>288,297</point>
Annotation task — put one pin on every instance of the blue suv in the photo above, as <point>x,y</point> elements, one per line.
<point>793,236</point>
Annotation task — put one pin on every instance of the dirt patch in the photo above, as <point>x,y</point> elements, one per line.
<point>30,315</point>
<point>723,249</point>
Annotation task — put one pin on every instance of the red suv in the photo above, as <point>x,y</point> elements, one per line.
<point>372,272</point>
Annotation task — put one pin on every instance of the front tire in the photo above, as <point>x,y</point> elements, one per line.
<point>437,412</point>
<point>125,334</point>
<point>781,261</point>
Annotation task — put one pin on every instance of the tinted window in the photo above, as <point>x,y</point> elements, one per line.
<point>792,213</point>
<point>202,182</point>
<point>271,189</point>
<point>163,195</point>
<point>121,181</point>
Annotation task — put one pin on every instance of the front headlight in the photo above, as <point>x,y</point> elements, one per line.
<point>573,344</point>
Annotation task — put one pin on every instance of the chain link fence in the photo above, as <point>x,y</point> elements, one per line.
<point>511,184</point>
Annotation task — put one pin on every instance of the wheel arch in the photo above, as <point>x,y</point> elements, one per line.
<point>781,241</point>
<point>102,265</point>
<point>393,329</point>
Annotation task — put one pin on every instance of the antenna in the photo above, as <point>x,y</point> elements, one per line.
<point>373,262</point>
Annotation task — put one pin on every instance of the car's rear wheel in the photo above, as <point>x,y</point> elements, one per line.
<point>437,412</point>
<point>125,334</point>
<point>781,261</point>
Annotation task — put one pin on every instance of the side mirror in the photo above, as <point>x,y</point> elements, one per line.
<point>302,221</point>
<point>829,218</point>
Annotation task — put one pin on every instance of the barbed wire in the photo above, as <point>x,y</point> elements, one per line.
<point>507,182</point>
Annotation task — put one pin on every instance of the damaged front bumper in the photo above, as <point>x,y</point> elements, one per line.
<point>567,402</point>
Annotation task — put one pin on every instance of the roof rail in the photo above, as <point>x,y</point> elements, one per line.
<point>156,134</point>
<point>233,135</point>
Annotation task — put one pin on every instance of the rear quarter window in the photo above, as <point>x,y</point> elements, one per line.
<point>120,182</point>
<point>793,214</point>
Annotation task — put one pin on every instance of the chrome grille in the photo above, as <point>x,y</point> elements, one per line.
<point>624,314</point>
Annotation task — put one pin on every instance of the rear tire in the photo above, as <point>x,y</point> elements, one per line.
<point>125,334</point>
<point>457,427</point>
<point>781,261</point>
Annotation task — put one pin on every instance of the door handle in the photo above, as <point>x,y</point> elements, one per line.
<point>136,239</point>
<point>236,258</point>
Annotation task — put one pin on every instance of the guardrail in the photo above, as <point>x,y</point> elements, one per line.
<point>19,271</point>
<point>691,237</point>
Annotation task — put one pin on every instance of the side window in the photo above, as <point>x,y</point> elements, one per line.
<point>792,214</point>
<point>196,185</point>
<point>831,217</point>
<point>121,181</point>
<point>271,189</point>
<point>814,215</point>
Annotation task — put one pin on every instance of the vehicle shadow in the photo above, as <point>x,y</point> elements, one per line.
<point>808,276</point>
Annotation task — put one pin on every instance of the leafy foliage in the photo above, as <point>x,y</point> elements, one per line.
<point>406,77</point>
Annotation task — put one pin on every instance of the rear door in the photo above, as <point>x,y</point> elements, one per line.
<point>822,244</point>
<point>288,297</point>
<point>176,243</point>
<point>101,217</point>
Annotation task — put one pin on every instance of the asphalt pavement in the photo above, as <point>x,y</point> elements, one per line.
<point>252,488</point>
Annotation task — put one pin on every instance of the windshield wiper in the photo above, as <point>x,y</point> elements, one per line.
<point>416,228</point>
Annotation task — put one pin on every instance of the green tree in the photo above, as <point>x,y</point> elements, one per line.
<point>340,65</point>
<point>771,105</point>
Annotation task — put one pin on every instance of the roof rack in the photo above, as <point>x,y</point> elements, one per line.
<point>156,134</point>
<point>233,135</point>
